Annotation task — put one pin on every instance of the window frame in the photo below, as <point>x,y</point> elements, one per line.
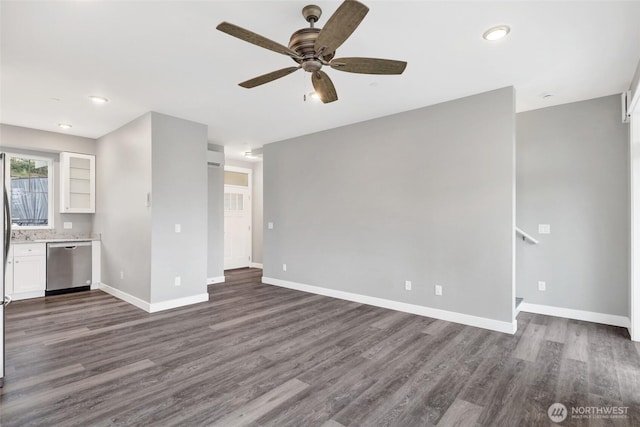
<point>50,189</point>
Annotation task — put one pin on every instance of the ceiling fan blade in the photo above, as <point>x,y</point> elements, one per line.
<point>340,25</point>
<point>257,39</point>
<point>324,87</point>
<point>269,77</point>
<point>368,65</point>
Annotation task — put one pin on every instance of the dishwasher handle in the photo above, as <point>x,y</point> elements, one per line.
<point>68,245</point>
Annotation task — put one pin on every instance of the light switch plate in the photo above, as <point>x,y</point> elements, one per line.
<point>68,225</point>
<point>407,285</point>
<point>438,290</point>
<point>270,225</point>
<point>178,228</point>
<point>284,267</point>
<point>544,229</point>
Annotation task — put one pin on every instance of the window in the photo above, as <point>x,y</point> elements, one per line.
<point>30,185</point>
<point>233,202</point>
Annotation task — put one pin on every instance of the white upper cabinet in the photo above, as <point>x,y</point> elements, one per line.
<point>77,183</point>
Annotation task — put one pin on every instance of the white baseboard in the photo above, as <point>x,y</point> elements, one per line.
<point>156,306</point>
<point>450,316</point>
<point>95,286</point>
<point>141,304</point>
<point>178,302</point>
<point>256,265</point>
<point>569,313</point>
<point>27,295</point>
<point>214,280</point>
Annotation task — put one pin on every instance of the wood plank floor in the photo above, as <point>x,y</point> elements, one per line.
<point>262,355</point>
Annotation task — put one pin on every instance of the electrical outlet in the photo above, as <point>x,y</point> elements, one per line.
<point>284,267</point>
<point>177,281</point>
<point>407,285</point>
<point>270,225</point>
<point>68,225</point>
<point>542,286</point>
<point>121,274</point>
<point>178,228</point>
<point>439,290</point>
<point>544,229</point>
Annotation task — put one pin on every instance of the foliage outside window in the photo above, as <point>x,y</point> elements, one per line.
<point>30,189</point>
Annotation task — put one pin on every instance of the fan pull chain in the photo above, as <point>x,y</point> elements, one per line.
<point>304,91</point>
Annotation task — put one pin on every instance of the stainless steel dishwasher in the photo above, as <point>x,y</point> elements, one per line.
<point>68,267</point>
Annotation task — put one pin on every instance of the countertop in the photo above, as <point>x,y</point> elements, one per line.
<point>49,236</point>
<point>71,239</point>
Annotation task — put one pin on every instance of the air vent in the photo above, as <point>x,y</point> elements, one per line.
<point>215,158</point>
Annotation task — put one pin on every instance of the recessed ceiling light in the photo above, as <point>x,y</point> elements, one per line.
<point>98,99</point>
<point>64,126</point>
<point>496,33</point>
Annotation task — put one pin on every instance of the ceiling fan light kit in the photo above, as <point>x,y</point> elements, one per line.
<point>312,48</point>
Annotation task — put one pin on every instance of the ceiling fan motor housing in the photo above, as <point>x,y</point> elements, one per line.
<point>303,43</point>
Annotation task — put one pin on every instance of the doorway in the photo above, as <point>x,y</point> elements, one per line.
<point>237,217</point>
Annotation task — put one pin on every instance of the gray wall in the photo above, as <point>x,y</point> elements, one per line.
<point>215,225</point>
<point>179,183</point>
<point>20,140</point>
<point>40,140</point>
<point>257,212</point>
<point>123,166</point>
<point>426,195</point>
<point>573,173</point>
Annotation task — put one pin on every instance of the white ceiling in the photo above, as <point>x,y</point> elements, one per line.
<point>168,57</point>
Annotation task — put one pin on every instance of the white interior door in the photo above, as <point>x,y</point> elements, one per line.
<point>237,227</point>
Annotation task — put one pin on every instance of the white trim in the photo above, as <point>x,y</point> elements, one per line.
<point>634,247</point>
<point>214,280</point>
<point>569,313</point>
<point>178,302</point>
<point>156,306</point>
<point>95,286</point>
<point>526,237</point>
<point>249,187</point>
<point>256,265</point>
<point>450,316</point>
<point>141,304</point>
<point>239,169</point>
<point>96,259</point>
<point>27,295</point>
<point>50,188</point>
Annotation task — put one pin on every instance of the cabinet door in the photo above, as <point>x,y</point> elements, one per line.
<point>8,277</point>
<point>77,183</point>
<point>29,274</point>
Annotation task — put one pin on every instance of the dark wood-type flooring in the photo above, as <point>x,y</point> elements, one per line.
<point>262,355</point>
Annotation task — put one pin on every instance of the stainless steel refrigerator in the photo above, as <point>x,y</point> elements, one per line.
<point>5,240</point>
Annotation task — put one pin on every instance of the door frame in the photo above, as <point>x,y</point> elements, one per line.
<point>634,193</point>
<point>250,187</point>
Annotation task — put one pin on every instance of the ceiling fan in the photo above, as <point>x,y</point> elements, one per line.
<point>312,48</point>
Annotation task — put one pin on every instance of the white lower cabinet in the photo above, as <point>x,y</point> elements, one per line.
<point>8,274</point>
<point>26,275</point>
